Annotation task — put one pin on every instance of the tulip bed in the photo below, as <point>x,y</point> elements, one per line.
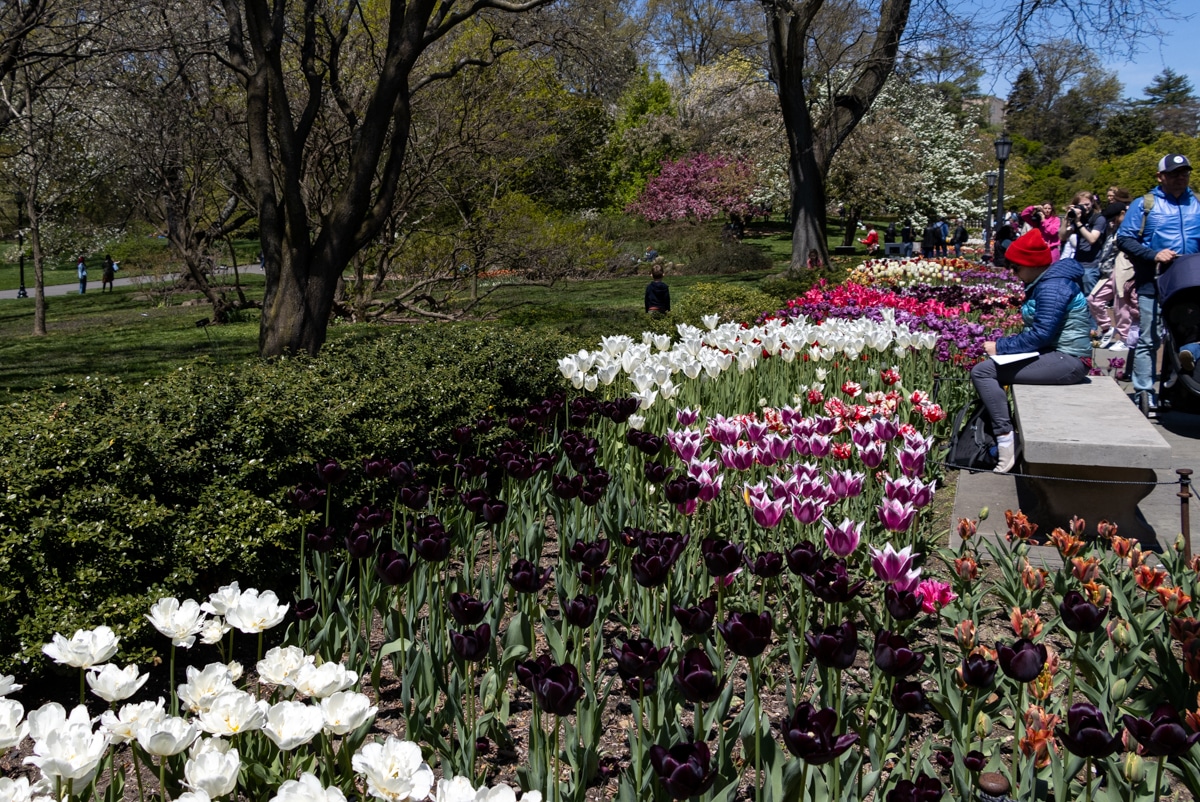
<point>691,582</point>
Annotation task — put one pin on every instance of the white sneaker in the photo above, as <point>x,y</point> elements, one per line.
<point>1006,452</point>
<point>1107,339</point>
<point>1116,346</point>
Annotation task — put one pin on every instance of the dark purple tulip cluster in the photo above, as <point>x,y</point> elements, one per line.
<point>394,568</point>
<point>685,770</point>
<point>466,609</point>
<point>307,496</point>
<point>580,410</point>
<point>525,577</point>
<point>323,539</point>
<point>696,620</point>
<point>831,583</point>
<point>591,554</point>
<point>528,672</point>
<point>580,450</point>
<point>646,442</point>
<point>895,656</point>
<point>472,645</point>
<point>329,472</point>
<point>657,554</point>
<point>696,678</point>
<point>834,646</point>
<point>618,410</point>
<point>721,557</point>
<point>657,473</point>
<point>1086,733</point>
<point>376,469</point>
<point>923,789</point>
<point>747,634</point>
<point>811,735</point>
<point>1022,661</point>
<point>766,565</point>
<point>431,540</point>
<point>402,474</point>
<point>1163,734</point>
<point>638,662</point>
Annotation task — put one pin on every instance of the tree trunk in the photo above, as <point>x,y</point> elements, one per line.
<point>39,274</point>
<point>296,307</point>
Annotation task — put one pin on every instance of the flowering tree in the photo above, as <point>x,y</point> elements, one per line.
<point>697,188</point>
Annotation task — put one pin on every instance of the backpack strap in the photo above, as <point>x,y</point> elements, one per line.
<point>1147,205</point>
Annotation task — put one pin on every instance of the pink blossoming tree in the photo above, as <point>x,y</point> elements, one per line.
<point>697,188</point>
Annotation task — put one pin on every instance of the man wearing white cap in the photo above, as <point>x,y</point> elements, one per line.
<point>1152,238</point>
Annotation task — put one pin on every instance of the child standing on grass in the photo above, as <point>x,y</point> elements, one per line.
<point>658,295</point>
<point>81,270</point>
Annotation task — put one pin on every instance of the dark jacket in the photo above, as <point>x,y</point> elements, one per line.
<point>1055,313</point>
<point>658,296</point>
<point>932,238</point>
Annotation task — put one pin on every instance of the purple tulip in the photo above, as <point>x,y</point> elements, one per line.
<point>306,609</point>
<point>767,565</point>
<point>657,473</point>
<point>819,445</point>
<point>681,490</point>
<point>902,605</point>
<point>844,538</point>
<point>895,568</point>
<point>564,487</point>
<point>885,429</point>
<point>808,509</point>
<point>329,472</point>
<point>323,539</point>
<point>978,671</point>
<point>462,435</point>
<point>1086,733</point>
<point>724,431</point>
<point>1079,614</point>
<point>466,609</point>
<point>804,558</point>
<point>372,518</point>
<point>415,498</point>
<point>558,690</point>
<point>685,770</point>
<point>394,568</point>
<point>432,543</point>
<point>766,512</point>
<point>525,577</point>
<point>747,634</point>
<point>359,544</point>
<point>923,789</point>
<point>912,462</point>
<point>1022,661</point>
<point>1163,734</point>
<point>834,646</point>
<point>894,516</point>
<point>894,655</point>
<point>589,554</point>
<point>811,735</point>
<point>581,611</point>
<point>872,456</point>
<point>974,761</point>
<point>737,458</point>
<point>831,583</point>
<point>528,672</point>
<point>687,416</point>
<point>638,658</point>
<point>686,445</point>
<point>696,678</point>
<point>908,696</point>
<point>696,620</point>
<point>307,496</point>
<point>720,556</point>
<point>593,576</point>
<point>494,512</point>
<point>845,484</point>
<point>656,557</point>
<point>472,645</point>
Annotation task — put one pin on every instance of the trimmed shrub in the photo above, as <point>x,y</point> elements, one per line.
<point>739,302</point>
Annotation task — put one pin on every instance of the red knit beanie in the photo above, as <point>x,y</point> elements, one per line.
<point>1029,250</point>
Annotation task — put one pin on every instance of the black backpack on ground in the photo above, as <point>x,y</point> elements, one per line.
<point>972,442</point>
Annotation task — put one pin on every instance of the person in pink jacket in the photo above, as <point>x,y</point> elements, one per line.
<point>1043,219</point>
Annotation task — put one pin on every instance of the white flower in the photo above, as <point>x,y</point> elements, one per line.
<point>394,770</point>
<point>213,630</point>
<point>124,726</point>
<point>178,621</point>
<point>346,711</point>
<point>224,600</point>
<point>307,789</point>
<point>70,753</point>
<point>214,773</point>
<point>193,796</point>
<point>323,680</point>
<point>13,728</point>
<point>86,648</point>
<point>202,687</point>
<point>17,790</point>
<point>114,684</point>
<point>204,745</point>
<point>167,737</point>
<point>233,712</point>
<point>281,663</point>
<point>637,421</point>
<point>51,716</point>
<point>256,612</point>
<point>293,724</point>
<point>710,321</point>
<point>8,684</point>
<point>458,789</point>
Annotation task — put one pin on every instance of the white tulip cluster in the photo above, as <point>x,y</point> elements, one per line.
<point>655,366</point>
<point>904,273</point>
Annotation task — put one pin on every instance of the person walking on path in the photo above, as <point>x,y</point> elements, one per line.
<point>907,237</point>
<point>1159,227</point>
<point>109,274</point>
<point>960,237</point>
<point>658,294</point>
<point>932,242</point>
<point>81,271</point>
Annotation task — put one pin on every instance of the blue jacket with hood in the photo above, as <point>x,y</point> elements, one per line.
<point>1055,313</point>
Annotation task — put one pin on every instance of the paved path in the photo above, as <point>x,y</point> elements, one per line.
<point>72,287</point>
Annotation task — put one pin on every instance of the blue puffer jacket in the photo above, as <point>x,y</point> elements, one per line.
<point>1055,314</point>
<point>1172,223</point>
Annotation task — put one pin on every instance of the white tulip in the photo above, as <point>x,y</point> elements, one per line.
<point>86,648</point>
<point>668,390</point>
<point>114,684</point>
<point>214,773</point>
<point>645,400</point>
<point>607,374</point>
<point>203,686</point>
<point>458,789</point>
<point>167,737</point>
<point>13,728</point>
<point>224,600</point>
<point>394,770</point>
<point>280,664</point>
<point>616,345</point>
<point>205,745</point>
<point>8,684</point>
<point>567,367</point>
<point>17,790</point>
<point>233,712</point>
<point>293,724</point>
<point>193,796</point>
<point>256,612</point>
<point>323,680</point>
<point>710,321</point>
<point>123,726</point>
<point>346,711</point>
<point>577,381</point>
<point>307,789</point>
<point>179,621</point>
<point>51,716</point>
<point>637,421</point>
<point>662,341</point>
<point>213,631</point>
<point>70,754</point>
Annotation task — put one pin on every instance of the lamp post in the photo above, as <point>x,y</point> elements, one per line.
<point>990,220</point>
<point>21,242</point>
<point>1003,151</point>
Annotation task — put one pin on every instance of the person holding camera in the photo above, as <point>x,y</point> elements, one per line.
<point>1086,230</point>
<point>1041,218</point>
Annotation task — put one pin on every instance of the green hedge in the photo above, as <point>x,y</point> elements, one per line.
<point>122,493</point>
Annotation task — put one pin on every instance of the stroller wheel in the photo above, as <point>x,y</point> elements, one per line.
<point>1144,403</point>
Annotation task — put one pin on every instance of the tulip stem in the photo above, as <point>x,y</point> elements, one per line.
<point>1158,778</point>
<point>1018,726</point>
<point>137,773</point>
<point>174,694</point>
<point>162,778</point>
<point>804,782</point>
<point>82,674</point>
<point>1087,779</point>
<point>557,758</point>
<point>757,730</point>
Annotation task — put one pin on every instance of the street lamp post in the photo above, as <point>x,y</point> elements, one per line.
<point>1003,151</point>
<point>21,243</point>
<point>990,221</point>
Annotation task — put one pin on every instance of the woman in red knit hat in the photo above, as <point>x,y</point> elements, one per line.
<point>1056,337</point>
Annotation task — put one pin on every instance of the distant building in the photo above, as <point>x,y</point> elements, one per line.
<point>990,109</point>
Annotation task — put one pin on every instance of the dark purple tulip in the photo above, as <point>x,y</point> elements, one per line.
<point>656,557</point>
<point>483,746</point>
<point>685,770</point>
<point>466,609</point>
<point>593,576</point>
<point>804,558</point>
<point>475,466</point>
<point>525,577</point>
<point>924,789</point>
<point>1022,661</point>
<point>434,546</point>
<point>944,759</point>
<point>307,496</point>
<point>978,671</point>
<point>441,458</point>
<point>372,518</point>
<point>359,544</point>
<point>415,498</point>
<point>908,696</point>
<point>376,468</point>
<point>834,646</point>
<point>566,488</point>
<point>306,609</point>
<point>1079,614</point>
<point>974,761</point>
<point>895,657</point>
<point>558,690</point>
<point>681,490</point>
<point>517,466</point>
<point>429,526</point>
<point>657,473</point>
<point>831,583</point>
<point>902,605</point>
<point>747,634</point>
<point>581,611</point>
<point>494,511</point>
<point>720,556</point>
<point>474,500</point>
<point>472,645</point>
<point>403,473</point>
<point>530,671</point>
<point>622,408</point>
<point>1163,734</point>
<point>1086,733</point>
<point>811,735</point>
<point>322,540</point>
<point>631,537</point>
<point>767,565</point>
<point>589,554</point>
<point>696,678</point>
<point>329,472</point>
<point>639,658</point>
<point>484,425</point>
<point>462,435</point>
<point>696,620</point>
<point>394,568</point>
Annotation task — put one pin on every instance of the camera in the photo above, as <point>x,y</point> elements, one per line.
<point>1036,217</point>
<point>1073,214</point>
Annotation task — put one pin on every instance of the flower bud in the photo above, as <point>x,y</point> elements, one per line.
<point>983,514</point>
<point>1120,633</point>
<point>983,725</point>
<point>1119,690</point>
<point>1133,769</point>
